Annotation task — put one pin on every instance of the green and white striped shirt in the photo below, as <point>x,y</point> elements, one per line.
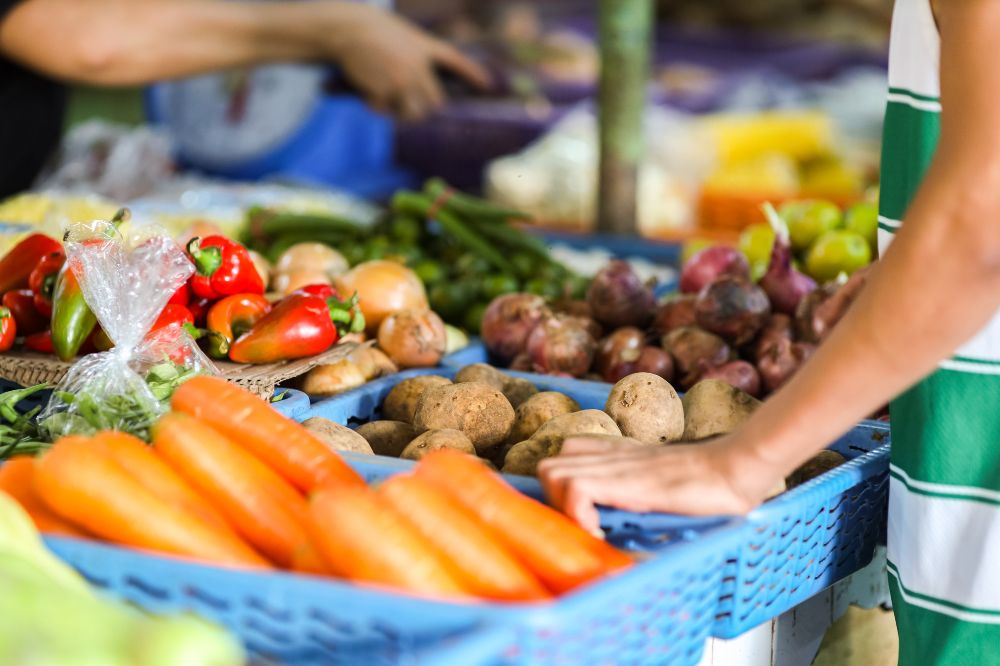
<point>944,506</point>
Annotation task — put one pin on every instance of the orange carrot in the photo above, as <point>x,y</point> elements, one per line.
<point>484,565</point>
<point>17,480</point>
<point>561,553</point>
<point>149,469</point>
<point>308,560</point>
<point>284,445</point>
<point>85,486</point>
<point>264,508</point>
<point>361,538</point>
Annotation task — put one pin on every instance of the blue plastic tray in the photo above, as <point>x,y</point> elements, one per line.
<point>658,612</point>
<point>796,545</point>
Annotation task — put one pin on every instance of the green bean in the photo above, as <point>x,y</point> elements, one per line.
<point>469,206</point>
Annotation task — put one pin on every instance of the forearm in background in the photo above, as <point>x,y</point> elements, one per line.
<point>128,42</point>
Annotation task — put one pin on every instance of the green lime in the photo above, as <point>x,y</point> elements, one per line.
<point>756,242</point>
<point>474,318</point>
<point>837,252</point>
<point>543,287</point>
<point>429,271</point>
<point>693,247</point>
<point>497,285</point>
<point>808,220</point>
<point>862,219</point>
<point>405,230</point>
<point>758,269</point>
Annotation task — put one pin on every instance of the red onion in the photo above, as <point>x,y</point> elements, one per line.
<point>694,351</point>
<point>818,313</point>
<point>674,313</point>
<point>521,363</point>
<point>781,361</point>
<point>740,374</point>
<point>508,321</point>
<point>732,307</point>
<point>561,345</point>
<point>617,296</point>
<point>777,327</point>
<point>709,265</point>
<point>784,285</point>
<point>622,346</point>
<point>648,359</point>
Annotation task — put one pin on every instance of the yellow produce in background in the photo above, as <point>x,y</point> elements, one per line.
<point>742,137</point>
<point>48,210</point>
<point>771,174</point>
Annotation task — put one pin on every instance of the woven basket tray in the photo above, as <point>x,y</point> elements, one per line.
<point>28,369</point>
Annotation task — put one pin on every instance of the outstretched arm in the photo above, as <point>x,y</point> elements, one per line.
<point>937,285</point>
<point>125,42</point>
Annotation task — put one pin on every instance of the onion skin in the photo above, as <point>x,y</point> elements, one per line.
<point>622,346</point>
<point>383,287</point>
<point>733,308</point>
<point>574,308</point>
<point>740,374</point>
<point>617,296</point>
<point>675,313</point>
<point>413,339</point>
<point>785,286</point>
<point>588,324</point>
<point>781,361</point>
<point>695,350</point>
<point>777,327</point>
<point>559,345</point>
<point>508,321</point>
<point>709,265</point>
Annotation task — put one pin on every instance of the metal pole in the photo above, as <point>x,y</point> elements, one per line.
<point>625,35</point>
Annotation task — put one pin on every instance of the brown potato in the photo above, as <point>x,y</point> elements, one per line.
<point>481,372</point>
<point>478,410</point>
<point>387,438</point>
<point>372,362</point>
<point>712,407</point>
<point>820,463</point>
<point>336,436</point>
<point>401,402</point>
<point>586,422</point>
<point>523,458</point>
<point>518,390</point>
<point>438,439</point>
<point>537,411</point>
<point>645,406</point>
<point>334,378</point>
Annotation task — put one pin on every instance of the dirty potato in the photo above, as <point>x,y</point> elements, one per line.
<point>645,406</point>
<point>477,409</point>
<point>401,402</point>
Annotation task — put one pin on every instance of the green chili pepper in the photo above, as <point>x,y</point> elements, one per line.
<point>72,319</point>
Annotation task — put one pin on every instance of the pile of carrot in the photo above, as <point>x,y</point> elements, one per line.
<point>231,482</point>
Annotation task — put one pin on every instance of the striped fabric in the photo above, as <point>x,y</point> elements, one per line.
<point>944,502</point>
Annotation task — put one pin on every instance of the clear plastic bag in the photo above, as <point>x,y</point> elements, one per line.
<point>126,283</point>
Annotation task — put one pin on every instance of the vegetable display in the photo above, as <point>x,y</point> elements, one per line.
<point>229,481</point>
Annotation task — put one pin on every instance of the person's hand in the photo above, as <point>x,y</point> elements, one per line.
<point>717,477</point>
<point>392,63</point>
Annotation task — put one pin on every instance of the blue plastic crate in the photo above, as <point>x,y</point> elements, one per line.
<point>796,544</point>
<point>658,612</point>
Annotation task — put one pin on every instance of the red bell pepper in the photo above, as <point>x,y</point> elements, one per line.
<point>42,281</point>
<point>324,291</point>
<point>230,318</point>
<point>16,265</point>
<point>199,308</point>
<point>8,329</point>
<point>21,303</point>
<point>182,296</point>
<point>222,268</point>
<point>299,325</point>
<point>172,315</point>
<point>40,342</point>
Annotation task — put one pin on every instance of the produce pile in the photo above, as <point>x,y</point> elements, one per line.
<point>52,616</point>
<point>231,482</point>
<point>512,425</point>
<point>752,332</point>
<point>464,250</point>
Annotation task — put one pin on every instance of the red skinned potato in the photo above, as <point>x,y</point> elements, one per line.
<point>413,339</point>
<point>694,350</point>
<point>509,320</point>
<point>674,313</point>
<point>618,297</point>
<point>732,308</point>
<point>561,346</point>
<point>738,374</point>
<point>710,264</point>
